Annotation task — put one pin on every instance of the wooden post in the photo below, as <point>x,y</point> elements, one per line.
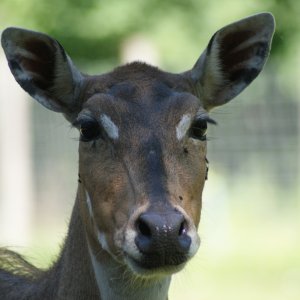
<point>16,193</point>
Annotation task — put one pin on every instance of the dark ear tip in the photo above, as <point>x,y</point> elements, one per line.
<point>5,36</point>
<point>266,18</point>
<point>269,18</point>
<point>9,34</point>
<point>9,31</point>
<point>15,35</point>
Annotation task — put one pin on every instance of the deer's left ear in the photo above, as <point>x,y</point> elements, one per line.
<point>43,69</point>
<point>234,56</point>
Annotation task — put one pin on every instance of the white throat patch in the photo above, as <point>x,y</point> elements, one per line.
<point>110,127</point>
<point>183,126</point>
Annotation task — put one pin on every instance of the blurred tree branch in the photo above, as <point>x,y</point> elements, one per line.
<point>94,29</point>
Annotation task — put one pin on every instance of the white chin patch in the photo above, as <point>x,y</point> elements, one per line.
<point>183,126</point>
<point>195,243</point>
<point>110,127</point>
<point>129,246</point>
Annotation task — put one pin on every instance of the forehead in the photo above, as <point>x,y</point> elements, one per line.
<point>139,92</point>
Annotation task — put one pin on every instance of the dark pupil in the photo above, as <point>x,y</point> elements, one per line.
<point>89,131</point>
<point>198,130</point>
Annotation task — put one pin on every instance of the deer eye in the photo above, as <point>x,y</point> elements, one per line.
<point>89,130</point>
<point>198,130</point>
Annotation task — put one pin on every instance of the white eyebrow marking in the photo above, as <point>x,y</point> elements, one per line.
<point>183,126</point>
<point>110,127</point>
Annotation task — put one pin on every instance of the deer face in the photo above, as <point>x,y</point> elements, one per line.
<point>142,152</point>
<point>142,163</point>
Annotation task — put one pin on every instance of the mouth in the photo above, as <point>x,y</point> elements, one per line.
<point>155,266</point>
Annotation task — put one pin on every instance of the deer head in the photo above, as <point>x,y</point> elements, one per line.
<point>142,150</point>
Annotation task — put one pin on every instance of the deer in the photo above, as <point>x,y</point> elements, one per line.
<point>142,161</point>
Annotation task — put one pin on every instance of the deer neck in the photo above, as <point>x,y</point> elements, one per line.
<point>117,283</point>
<point>76,276</point>
<point>84,275</point>
<point>114,281</point>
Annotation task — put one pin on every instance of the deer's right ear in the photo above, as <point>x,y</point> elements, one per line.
<point>43,69</point>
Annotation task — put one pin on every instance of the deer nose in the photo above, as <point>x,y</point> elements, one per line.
<point>163,235</point>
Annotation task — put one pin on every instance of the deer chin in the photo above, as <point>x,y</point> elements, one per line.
<point>148,268</point>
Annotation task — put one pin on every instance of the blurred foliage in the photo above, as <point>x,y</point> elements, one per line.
<point>93,30</point>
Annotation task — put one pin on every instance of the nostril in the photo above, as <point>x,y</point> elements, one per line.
<point>184,240</point>
<point>182,228</point>
<point>143,228</point>
<point>144,238</point>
